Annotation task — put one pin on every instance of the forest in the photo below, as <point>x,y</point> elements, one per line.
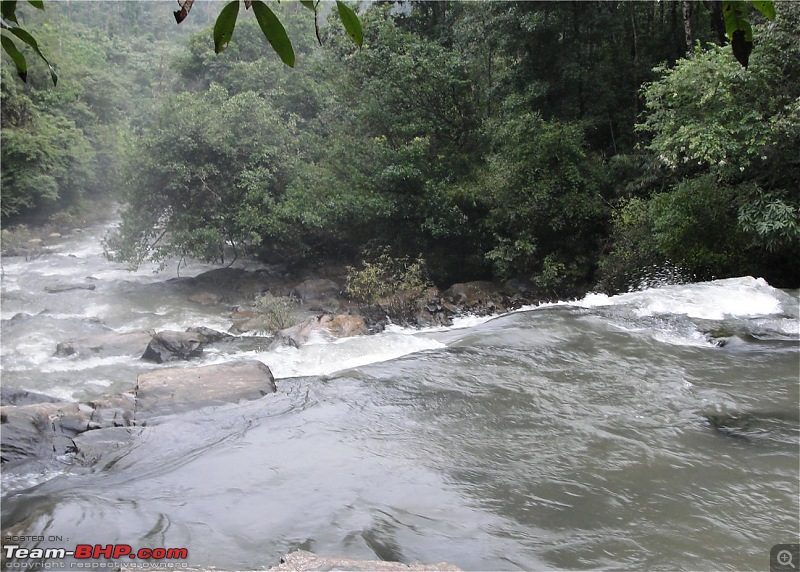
<point>575,145</point>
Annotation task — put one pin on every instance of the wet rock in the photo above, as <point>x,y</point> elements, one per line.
<point>341,326</point>
<point>169,346</point>
<point>345,326</point>
<point>225,285</point>
<point>41,430</point>
<point>318,294</point>
<point>251,321</point>
<point>302,561</point>
<point>11,396</point>
<point>780,426</point>
<point>112,411</point>
<point>479,297</point>
<point>205,298</point>
<point>107,345</point>
<point>28,431</point>
<point>211,336</point>
<point>56,288</point>
<point>177,390</point>
<point>18,317</point>
<point>91,446</point>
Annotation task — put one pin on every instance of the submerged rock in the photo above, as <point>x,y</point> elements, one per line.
<point>171,346</point>
<point>777,426</point>
<point>177,390</point>
<point>302,561</point>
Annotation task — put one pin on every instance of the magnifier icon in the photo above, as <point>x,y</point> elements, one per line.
<point>784,558</point>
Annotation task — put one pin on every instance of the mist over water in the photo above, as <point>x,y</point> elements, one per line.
<point>567,436</point>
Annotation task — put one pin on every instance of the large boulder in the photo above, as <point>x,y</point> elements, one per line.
<point>303,561</point>
<point>318,295</point>
<point>107,345</point>
<point>341,326</point>
<point>177,390</point>
<point>225,285</point>
<point>171,346</point>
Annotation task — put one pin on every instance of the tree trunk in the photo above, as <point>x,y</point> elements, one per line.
<point>717,20</point>
<point>687,24</point>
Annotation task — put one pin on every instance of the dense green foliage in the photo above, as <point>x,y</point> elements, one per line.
<point>723,197</point>
<point>571,144</point>
<point>64,144</point>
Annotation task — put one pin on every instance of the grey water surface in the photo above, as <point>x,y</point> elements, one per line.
<point>602,433</point>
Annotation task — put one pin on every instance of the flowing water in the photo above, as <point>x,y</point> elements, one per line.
<point>565,436</point>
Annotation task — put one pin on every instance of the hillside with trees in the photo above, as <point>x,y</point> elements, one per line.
<point>574,145</point>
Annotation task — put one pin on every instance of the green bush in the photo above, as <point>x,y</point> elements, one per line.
<point>278,312</point>
<point>394,285</point>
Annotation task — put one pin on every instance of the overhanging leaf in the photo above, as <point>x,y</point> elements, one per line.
<point>223,27</point>
<point>741,48</point>
<point>8,9</point>
<point>766,7</point>
<point>351,23</point>
<point>31,41</point>
<point>735,14</point>
<point>309,4</point>
<point>16,56</point>
<point>38,4</point>
<point>274,32</point>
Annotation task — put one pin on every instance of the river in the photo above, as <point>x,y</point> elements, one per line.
<point>566,436</point>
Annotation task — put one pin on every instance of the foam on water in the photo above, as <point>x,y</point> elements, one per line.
<point>715,300</point>
<point>321,356</point>
<point>459,323</point>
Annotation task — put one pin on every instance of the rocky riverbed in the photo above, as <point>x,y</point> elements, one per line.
<point>267,305</point>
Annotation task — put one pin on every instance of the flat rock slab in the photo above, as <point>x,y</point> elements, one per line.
<point>56,288</point>
<point>12,396</point>
<point>177,390</point>
<point>302,561</point>
<point>107,345</point>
